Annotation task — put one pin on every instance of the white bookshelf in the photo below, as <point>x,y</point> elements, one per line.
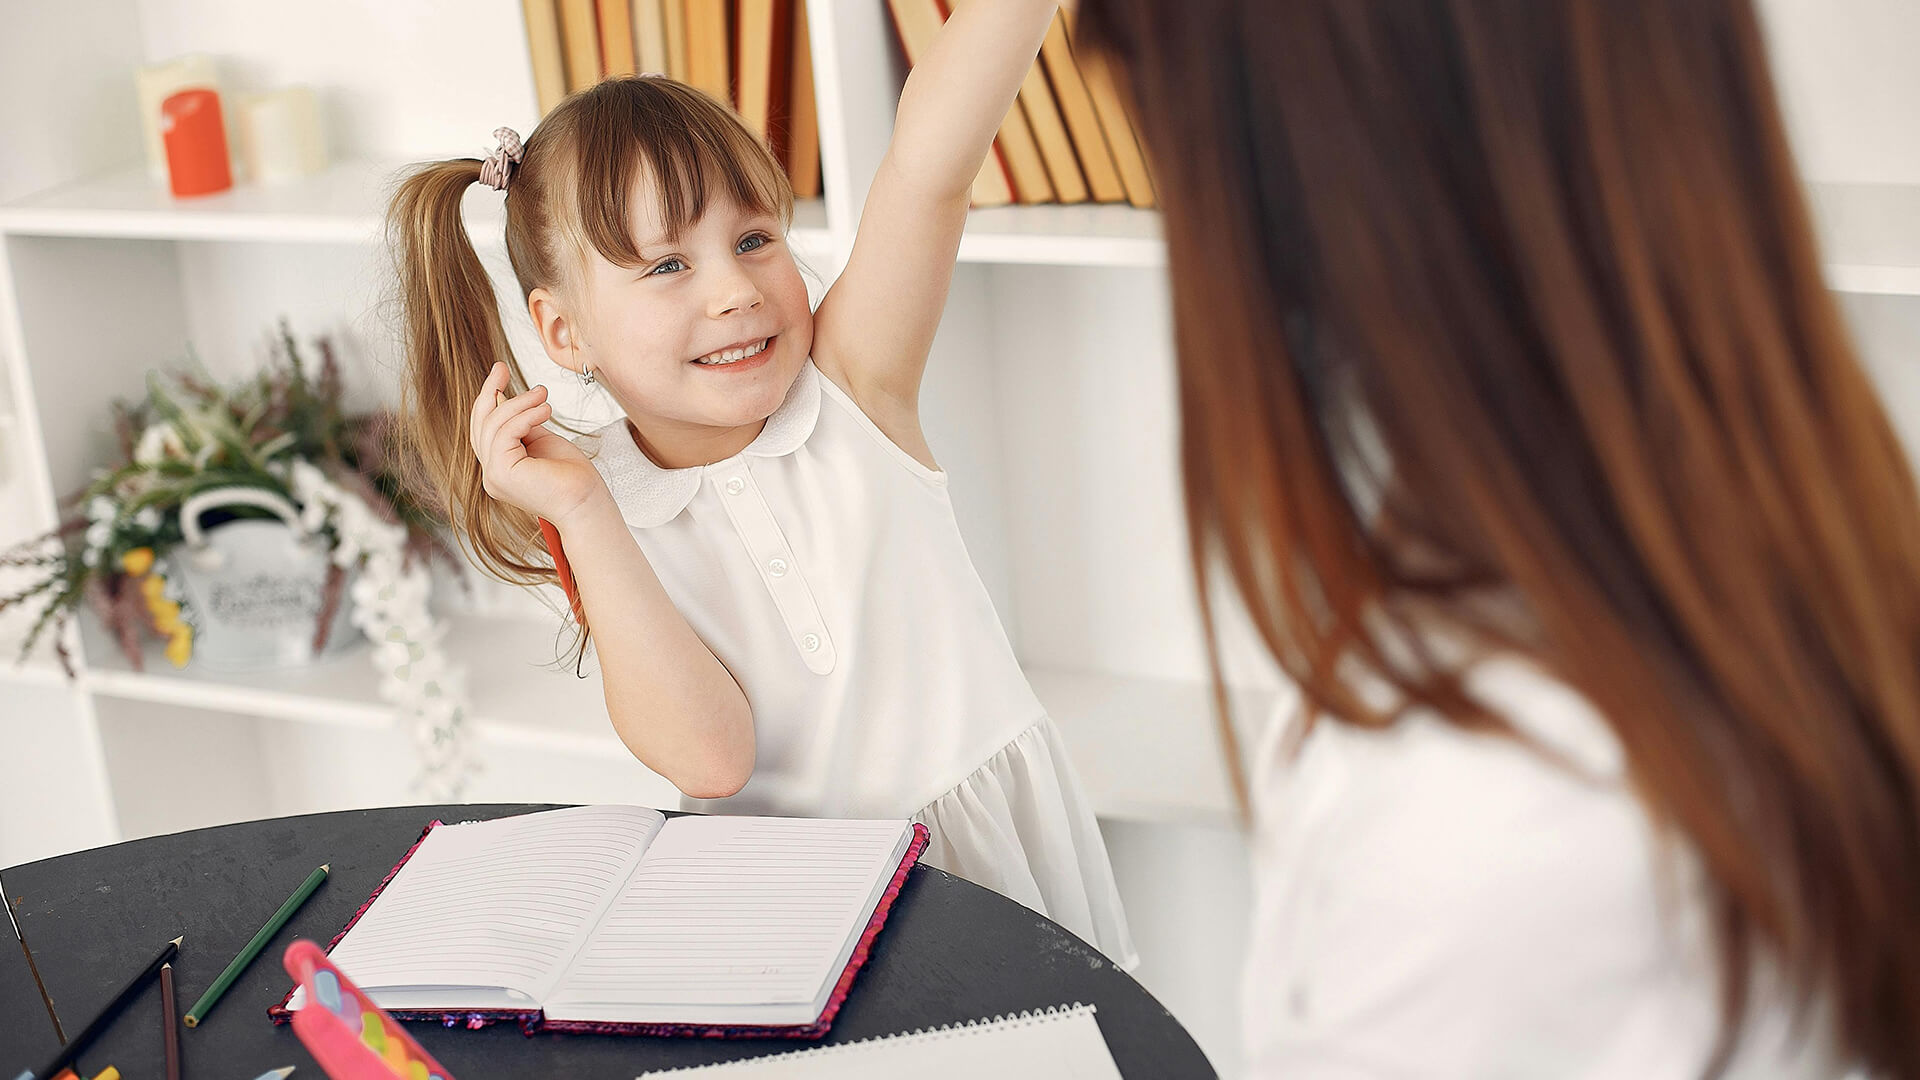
<point>96,234</point>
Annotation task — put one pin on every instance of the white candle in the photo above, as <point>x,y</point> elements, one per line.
<point>153,84</point>
<point>280,135</point>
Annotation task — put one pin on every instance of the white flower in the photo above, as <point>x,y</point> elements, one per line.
<point>99,534</point>
<point>148,518</point>
<point>157,444</point>
<point>391,609</point>
<point>101,508</point>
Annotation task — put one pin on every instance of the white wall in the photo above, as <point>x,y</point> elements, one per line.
<point>401,79</point>
<point>1849,85</point>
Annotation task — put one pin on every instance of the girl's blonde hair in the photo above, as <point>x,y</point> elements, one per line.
<point>569,192</point>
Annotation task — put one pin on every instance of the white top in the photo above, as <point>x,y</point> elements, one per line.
<point>823,566</point>
<point>1435,903</point>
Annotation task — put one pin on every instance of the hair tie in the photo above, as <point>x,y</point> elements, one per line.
<point>497,169</point>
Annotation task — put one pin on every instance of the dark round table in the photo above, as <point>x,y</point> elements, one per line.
<point>951,951</point>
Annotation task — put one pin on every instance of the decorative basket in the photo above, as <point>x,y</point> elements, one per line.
<point>255,587</point>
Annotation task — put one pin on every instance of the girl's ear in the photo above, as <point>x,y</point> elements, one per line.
<point>558,334</point>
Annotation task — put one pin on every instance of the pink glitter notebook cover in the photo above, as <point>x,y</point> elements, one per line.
<point>534,1022</point>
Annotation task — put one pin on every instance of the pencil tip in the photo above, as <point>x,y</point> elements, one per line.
<point>328,867</point>
<point>178,940</point>
<point>286,1072</point>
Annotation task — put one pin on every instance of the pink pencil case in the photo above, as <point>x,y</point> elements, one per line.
<point>350,1036</point>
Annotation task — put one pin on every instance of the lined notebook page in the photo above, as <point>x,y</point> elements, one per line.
<point>1055,1045</point>
<point>499,903</point>
<point>735,911</point>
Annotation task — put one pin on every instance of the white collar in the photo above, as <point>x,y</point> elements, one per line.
<point>649,495</point>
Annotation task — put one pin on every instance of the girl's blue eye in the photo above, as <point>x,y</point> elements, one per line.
<point>662,268</point>
<point>755,241</point>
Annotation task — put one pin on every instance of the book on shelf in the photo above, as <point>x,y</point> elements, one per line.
<point>709,59</point>
<point>619,920</point>
<point>580,37</point>
<point>1067,138</point>
<point>803,139</point>
<point>1082,121</point>
<point>1050,133</point>
<point>763,55</point>
<point>918,22</point>
<point>1025,167</point>
<point>1127,155</point>
<point>649,18</point>
<point>673,19</point>
<point>616,37</point>
<point>544,50</point>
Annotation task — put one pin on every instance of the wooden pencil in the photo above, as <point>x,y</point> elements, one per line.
<point>253,947</point>
<point>138,983</point>
<point>169,1022</point>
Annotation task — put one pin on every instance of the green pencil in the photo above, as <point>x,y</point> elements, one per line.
<point>240,962</point>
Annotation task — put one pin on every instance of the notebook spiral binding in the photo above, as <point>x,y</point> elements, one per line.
<point>1028,1018</point>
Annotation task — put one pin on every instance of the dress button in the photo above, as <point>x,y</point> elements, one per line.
<point>810,642</point>
<point>735,485</point>
<point>777,567</point>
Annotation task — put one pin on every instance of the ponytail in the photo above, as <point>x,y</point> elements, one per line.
<point>453,338</point>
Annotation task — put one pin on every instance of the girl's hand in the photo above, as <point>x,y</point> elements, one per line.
<point>522,463</point>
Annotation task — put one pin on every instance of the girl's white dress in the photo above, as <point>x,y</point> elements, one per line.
<point>824,567</point>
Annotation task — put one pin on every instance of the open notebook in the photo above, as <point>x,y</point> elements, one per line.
<point>616,919</point>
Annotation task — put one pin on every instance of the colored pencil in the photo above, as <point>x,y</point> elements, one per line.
<point>108,1073</point>
<point>276,1074</point>
<point>169,1022</point>
<point>32,968</point>
<point>139,982</point>
<point>252,948</point>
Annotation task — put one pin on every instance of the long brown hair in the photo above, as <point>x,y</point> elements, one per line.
<point>567,197</point>
<point>1505,317</point>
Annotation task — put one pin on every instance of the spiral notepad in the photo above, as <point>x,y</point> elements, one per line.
<point>1061,1043</point>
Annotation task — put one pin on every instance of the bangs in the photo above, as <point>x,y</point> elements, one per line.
<point>692,147</point>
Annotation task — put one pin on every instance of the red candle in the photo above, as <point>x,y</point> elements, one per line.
<point>196,140</point>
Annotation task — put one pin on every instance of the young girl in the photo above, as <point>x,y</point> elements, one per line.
<point>786,618</point>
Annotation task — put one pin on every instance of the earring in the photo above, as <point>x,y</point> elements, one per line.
<point>586,376</point>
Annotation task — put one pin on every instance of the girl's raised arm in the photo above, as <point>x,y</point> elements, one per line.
<point>876,324</point>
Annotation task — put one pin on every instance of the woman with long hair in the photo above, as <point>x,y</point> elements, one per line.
<point>1516,410</point>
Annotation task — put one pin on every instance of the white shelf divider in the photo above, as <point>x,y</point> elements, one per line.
<point>517,698</point>
<point>1870,236</point>
<point>343,205</point>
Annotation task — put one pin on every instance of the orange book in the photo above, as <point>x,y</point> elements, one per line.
<point>1082,120</point>
<point>918,22</point>
<point>764,53</point>
<point>1127,155</point>
<point>673,19</point>
<point>803,142</point>
<point>1050,133</point>
<point>709,65</point>
<point>544,50</point>
<point>616,38</point>
<point>649,37</point>
<point>580,35</point>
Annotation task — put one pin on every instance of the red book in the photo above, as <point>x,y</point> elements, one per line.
<point>617,920</point>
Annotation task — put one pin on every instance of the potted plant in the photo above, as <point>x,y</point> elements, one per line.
<point>245,526</point>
